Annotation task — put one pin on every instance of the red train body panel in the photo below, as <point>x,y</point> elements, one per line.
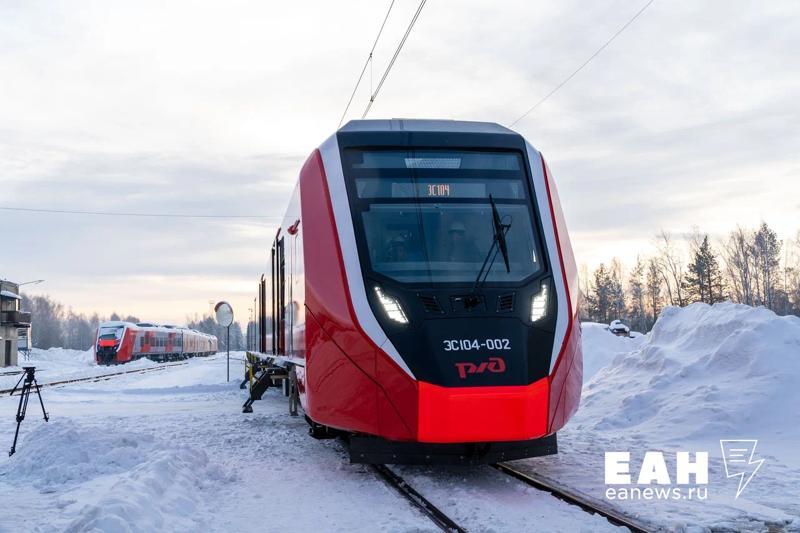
<point>122,342</point>
<point>375,293</point>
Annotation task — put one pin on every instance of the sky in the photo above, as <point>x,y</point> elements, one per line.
<point>689,118</point>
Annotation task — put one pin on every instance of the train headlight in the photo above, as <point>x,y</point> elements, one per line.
<point>392,307</point>
<point>539,304</point>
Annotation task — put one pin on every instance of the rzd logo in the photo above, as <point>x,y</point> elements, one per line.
<point>494,364</point>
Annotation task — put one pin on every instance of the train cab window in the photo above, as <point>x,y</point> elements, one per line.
<point>111,332</point>
<point>426,216</point>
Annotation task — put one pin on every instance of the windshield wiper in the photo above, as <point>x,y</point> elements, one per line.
<point>500,230</point>
<point>498,244</point>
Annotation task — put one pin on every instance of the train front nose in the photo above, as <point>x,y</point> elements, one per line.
<point>480,379</point>
<point>107,351</point>
<point>482,414</point>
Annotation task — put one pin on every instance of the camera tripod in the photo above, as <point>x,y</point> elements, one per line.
<point>24,395</point>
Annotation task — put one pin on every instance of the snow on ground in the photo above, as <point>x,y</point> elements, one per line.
<point>601,347</point>
<point>703,374</point>
<point>171,451</point>
<point>58,364</point>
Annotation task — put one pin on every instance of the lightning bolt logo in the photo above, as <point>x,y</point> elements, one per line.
<point>737,454</point>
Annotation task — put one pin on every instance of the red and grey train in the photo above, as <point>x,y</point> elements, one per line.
<point>122,342</point>
<point>423,292</point>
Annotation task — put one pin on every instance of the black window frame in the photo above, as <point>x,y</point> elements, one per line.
<point>355,207</point>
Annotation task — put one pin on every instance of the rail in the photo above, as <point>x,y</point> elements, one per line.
<point>436,515</point>
<point>572,497</point>
<point>102,377</point>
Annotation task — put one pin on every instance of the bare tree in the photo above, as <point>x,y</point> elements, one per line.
<point>636,288</point>
<point>738,265</point>
<point>583,292</point>
<point>792,274</point>
<point>46,317</point>
<point>616,290</point>
<point>654,284</point>
<point>671,268</point>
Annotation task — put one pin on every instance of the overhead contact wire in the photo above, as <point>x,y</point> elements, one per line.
<point>589,60</point>
<point>374,95</point>
<point>366,64</point>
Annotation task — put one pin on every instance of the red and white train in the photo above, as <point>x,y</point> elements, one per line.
<point>122,342</point>
<point>423,294</point>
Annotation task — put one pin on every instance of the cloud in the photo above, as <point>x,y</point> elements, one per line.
<point>689,117</point>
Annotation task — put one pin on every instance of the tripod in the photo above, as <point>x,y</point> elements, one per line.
<point>24,395</point>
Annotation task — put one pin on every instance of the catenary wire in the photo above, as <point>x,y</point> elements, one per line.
<point>577,70</point>
<point>366,63</point>
<point>374,95</point>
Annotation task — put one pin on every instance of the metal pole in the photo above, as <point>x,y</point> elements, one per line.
<point>229,353</point>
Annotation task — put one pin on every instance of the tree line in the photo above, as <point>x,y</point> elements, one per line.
<point>54,326</point>
<point>209,325</point>
<point>749,266</point>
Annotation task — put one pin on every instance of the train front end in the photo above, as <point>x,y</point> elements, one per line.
<point>462,291</point>
<point>111,347</point>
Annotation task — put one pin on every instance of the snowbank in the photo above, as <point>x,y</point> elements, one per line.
<point>62,454</point>
<point>601,347</point>
<point>127,481</point>
<point>59,357</point>
<point>703,373</point>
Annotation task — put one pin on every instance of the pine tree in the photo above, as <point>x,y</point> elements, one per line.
<point>766,252</point>
<point>599,299</point>
<point>703,282</point>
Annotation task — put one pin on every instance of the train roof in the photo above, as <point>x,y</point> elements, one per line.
<point>425,126</point>
<point>154,327</point>
<point>116,323</point>
<point>421,133</point>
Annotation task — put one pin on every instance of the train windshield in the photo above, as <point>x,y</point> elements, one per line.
<point>111,332</point>
<point>425,216</point>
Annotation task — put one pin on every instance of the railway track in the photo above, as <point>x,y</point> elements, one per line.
<point>567,495</point>
<point>436,515</point>
<point>101,377</point>
<point>447,524</point>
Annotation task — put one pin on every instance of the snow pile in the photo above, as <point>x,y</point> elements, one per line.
<point>161,494</point>
<point>601,347</point>
<point>59,357</point>
<point>60,453</point>
<point>703,373</point>
<point>124,481</point>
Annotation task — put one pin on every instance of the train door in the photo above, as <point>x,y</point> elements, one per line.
<point>289,307</point>
<point>261,329</point>
<point>279,298</point>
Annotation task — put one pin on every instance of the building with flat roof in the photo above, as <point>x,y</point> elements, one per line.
<point>11,321</point>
